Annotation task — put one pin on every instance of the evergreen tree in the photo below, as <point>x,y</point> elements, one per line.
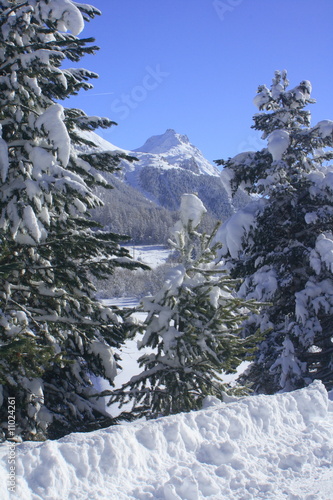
<point>192,328</point>
<point>54,335</point>
<point>281,243</point>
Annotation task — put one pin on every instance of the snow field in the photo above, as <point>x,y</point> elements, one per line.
<point>151,255</point>
<point>259,447</point>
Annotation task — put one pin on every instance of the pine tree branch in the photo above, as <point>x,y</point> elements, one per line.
<point>7,13</point>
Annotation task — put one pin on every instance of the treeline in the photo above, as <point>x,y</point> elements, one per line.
<point>126,283</point>
<point>127,211</point>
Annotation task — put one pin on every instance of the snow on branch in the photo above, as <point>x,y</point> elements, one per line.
<point>64,13</point>
<point>52,122</point>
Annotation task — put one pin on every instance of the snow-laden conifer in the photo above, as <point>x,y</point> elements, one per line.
<point>192,328</point>
<point>281,243</point>
<point>54,335</point>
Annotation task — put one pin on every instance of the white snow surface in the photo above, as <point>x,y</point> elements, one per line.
<point>191,209</point>
<point>52,122</point>
<point>64,13</point>
<point>101,143</point>
<point>107,358</point>
<point>278,142</point>
<point>325,128</point>
<point>165,151</point>
<point>258,447</point>
<point>324,247</point>
<point>152,255</point>
<point>233,231</point>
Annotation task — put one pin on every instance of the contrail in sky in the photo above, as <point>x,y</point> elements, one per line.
<point>103,93</point>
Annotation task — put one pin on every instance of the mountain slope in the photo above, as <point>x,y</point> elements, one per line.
<point>168,166</point>
<point>148,191</point>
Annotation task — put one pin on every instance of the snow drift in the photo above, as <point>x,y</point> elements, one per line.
<point>268,447</point>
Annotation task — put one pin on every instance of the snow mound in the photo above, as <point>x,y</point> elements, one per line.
<point>64,13</point>
<point>191,209</point>
<point>268,447</point>
<point>235,229</point>
<point>278,142</point>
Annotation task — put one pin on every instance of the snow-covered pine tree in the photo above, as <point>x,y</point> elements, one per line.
<point>192,328</point>
<point>282,241</point>
<point>54,335</point>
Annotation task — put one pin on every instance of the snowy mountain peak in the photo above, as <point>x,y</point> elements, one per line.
<point>173,150</point>
<point>159,144</point>
<point>166,167</point>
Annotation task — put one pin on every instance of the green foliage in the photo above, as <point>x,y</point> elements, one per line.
<point>193,330</point>
<point>55,337</point>
<point>282,256</point>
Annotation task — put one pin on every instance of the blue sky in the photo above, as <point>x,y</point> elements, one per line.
<point>195,66</point>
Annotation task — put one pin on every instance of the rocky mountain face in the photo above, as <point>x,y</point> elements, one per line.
<point>148,191</point>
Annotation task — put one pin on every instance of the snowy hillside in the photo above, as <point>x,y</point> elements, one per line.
<point>101,143</point>
<point>260,447</point>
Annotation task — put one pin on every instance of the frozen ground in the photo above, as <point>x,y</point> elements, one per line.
<point>260,447</point>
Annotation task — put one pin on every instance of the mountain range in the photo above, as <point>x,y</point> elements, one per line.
<point>147,191</point>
